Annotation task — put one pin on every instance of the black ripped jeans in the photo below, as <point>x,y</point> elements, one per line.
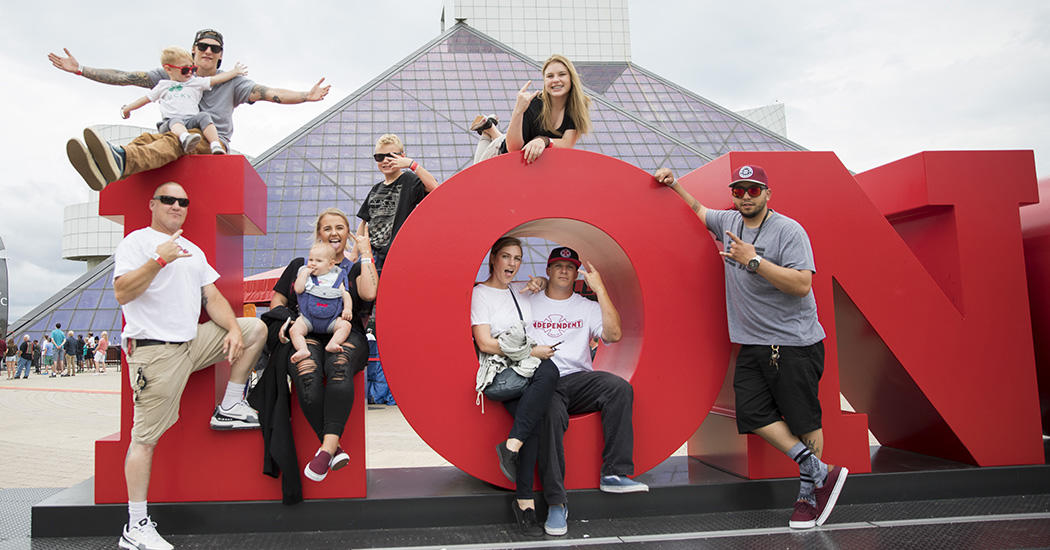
<point>326,395</point>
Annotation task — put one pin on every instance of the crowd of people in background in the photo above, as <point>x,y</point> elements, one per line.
<point>56,354</point>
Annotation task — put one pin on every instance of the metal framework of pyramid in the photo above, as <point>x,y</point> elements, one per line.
<point>429,99</point>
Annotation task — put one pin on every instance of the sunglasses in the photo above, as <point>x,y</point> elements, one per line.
<point>203,47</point>
<point>382,156</point>
<point>170,200</point>
<point>753,191</point>
<point>140,384</point>
<point>186,69</point>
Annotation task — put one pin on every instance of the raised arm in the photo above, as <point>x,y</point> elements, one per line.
<point>368,280</point>
<point>299,286</point>
<point>515,141</point>
<point>278,95</point>
<point>226,76</point>
<point>612,329</point>
<point>796,282</point>
<point>430,183</point>
<point>666,177</point>
<point>125,111</point>
<point>132,284</point>
<point>113,77</point>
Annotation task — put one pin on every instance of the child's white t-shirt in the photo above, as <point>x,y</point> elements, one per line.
<point>179,99</point>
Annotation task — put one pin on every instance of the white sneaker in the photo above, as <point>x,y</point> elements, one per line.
<point>143,536</point>
<point>216,148</point>
<point>189,142</point>
<point>238,417</point>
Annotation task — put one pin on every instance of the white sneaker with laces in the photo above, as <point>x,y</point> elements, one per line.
<point>216,148</point>
<point>240,416</point>
<point>189,142</point>
<point>143,536</point>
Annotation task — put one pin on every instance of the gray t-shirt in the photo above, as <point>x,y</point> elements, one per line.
<point>758,313</point>
<point>219,102</point>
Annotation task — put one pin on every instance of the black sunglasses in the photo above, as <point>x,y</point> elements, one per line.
<point>380,156</point>
<point>170,200</point>
<point>203,46</point>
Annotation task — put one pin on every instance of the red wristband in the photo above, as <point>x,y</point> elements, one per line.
<point>160,261</point>
<point>414,166</point>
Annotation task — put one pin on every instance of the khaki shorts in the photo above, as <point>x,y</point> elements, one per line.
<point>164,370</point>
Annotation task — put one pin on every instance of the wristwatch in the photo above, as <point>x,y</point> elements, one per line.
<point>752,264</point>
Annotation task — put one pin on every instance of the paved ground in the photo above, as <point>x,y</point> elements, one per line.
<point>48,427</point>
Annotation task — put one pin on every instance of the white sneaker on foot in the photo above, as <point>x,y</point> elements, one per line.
<point>189,142</point>
<point>216,148</point>
<point>143,536</point>
<point>238,417</point>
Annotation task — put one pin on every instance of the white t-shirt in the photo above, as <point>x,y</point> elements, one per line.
<point>179,98</point>
<point>573,322</point>
<point>169,309</point>
<point>495,307</point>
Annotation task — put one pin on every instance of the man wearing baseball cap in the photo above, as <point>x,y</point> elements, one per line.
<point>773,316</point>
<point>568,322</point>
<point>101,163</point>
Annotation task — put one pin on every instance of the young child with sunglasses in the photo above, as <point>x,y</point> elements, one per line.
<point>178,97</point>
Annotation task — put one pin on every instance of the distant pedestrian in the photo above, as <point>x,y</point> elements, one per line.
<point>80,353</point>
<point>25,357</point>
<point>100,353</point>
<point>59,338</point>
<point>89,352</point>
<point>36,356</point>
<point>49,356</point>
<point>71,355</point>
<point>9,356</point>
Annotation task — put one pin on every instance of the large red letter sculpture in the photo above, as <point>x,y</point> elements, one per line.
<point>660,267</point>
<point>192,462</point>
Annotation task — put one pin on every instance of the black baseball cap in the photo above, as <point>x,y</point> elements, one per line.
<point>564,253</point>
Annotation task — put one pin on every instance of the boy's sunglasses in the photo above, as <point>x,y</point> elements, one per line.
<point>203,46</point>
<point>170,200</point>
<point>753,191</point>
<point>381,156</point>
<point>186,69</point>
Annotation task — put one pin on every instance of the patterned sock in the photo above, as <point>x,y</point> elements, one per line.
<point>234,393</point>
<point>136,512</point>
<point>811,471</point>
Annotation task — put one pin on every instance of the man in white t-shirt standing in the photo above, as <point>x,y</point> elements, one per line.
<point>568,322</point>
<point>161,280</point>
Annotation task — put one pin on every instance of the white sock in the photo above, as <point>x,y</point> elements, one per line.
<point>136,512</point>
<point>234,393</point>
<point>215,144</point>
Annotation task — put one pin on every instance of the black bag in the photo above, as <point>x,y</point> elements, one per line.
<point>508,384</point>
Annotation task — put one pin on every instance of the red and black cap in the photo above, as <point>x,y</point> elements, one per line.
<point>750,173</point>
<point>564,253</point>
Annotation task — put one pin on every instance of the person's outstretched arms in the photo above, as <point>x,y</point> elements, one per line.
<point>226,76</point>
<point>125,110</point>
<point>666,177</point>
<point>278,95</point>
<point>113,77</point>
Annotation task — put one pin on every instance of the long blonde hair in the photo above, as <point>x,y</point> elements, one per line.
<point>578,105</point>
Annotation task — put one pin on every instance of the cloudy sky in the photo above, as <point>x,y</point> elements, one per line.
<point>872,82</point>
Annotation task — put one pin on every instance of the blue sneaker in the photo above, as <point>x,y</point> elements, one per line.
<point>622,484</point>
<point>110,159</point>
<point>557,516</point>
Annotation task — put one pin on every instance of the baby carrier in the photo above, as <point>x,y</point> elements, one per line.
<point>322,305</point>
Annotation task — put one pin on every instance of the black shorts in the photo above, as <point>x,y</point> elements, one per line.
<point>766,394</point>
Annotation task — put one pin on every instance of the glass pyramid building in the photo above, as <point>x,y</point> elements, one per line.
<point>429,99</point>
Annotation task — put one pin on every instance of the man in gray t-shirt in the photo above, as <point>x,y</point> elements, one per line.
<point>100,163</point>
<point>773,316</point>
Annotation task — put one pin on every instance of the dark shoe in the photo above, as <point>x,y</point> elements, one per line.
<point>317,469</point>
<point>526,519</point>
<point>80,158</point>
<point>482,123</point>
<point>508,461</point>
<point>339,459</point>
<point>828,494</point>
<point>804,517</point>
<point>110,159</point>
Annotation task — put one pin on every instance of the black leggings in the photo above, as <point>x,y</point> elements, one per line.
<point>326,397</point>
<point>528,411</point>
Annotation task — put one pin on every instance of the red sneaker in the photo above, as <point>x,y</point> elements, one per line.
<point>805,516</point>
<point>339,459</point>
<point>829,493</point>
<point>317,469</point>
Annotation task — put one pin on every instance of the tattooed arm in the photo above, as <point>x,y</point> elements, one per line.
<point>278,95</point>
<point>106,76</point>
